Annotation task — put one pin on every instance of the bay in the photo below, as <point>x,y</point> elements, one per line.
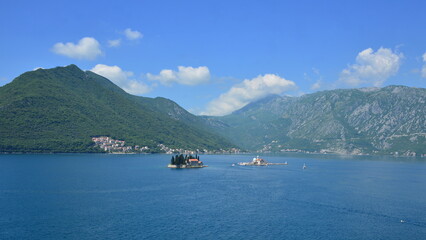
<point>100,196</point>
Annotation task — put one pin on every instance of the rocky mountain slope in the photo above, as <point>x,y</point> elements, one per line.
<point>389,120</point>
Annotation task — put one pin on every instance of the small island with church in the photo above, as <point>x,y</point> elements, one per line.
<point>257,161</point>
<point>181,161</point>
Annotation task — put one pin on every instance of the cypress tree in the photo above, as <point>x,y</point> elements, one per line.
<point>181,159</point>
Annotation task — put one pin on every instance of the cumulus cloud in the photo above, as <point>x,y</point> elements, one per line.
<point>114,43</point>
<point>248,91</point>
<point>87,48</point>
<point>122,79</point>
<point>372,68</point>
<point>185,75</point>
<point>424,66</point>
<point>132,35</point>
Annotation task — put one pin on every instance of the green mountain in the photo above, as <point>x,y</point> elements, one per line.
<point>389,120</point>
<point>60,109</point>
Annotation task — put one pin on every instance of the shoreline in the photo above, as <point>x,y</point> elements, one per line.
<point>245,153</point>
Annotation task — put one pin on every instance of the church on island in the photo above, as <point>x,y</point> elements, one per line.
<point>181,161</point>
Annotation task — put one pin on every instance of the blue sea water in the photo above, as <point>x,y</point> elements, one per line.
<point>98,196</point>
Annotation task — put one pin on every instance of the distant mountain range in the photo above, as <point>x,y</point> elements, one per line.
<point>389,120</point>
<point>61,109</point>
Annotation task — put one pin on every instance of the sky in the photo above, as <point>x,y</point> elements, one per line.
<point>214,57</point>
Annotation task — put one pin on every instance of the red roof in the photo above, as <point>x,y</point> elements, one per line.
<point>192,160</point>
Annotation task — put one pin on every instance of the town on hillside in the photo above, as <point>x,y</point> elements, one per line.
<point>111,145</point>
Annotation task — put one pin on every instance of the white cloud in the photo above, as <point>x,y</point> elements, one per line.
<point>132,35</point>
<point>424,66</point>
<point>316,85</point>
<point>372,68</point>
<point>122,79</point>
<point>185,75</point>
<point>114,43</point>
<point>248,91</point>
<point>87,48</point>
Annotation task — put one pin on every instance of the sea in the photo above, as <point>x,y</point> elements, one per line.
<point>101,196</point>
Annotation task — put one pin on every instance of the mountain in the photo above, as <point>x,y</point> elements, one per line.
<point>389,120</point>
<point>60,109</point>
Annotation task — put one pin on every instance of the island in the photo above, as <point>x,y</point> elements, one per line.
<point>187,161</point>
<point>257,161</point>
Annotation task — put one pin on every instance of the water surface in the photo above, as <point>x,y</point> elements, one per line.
<point>98,196</point>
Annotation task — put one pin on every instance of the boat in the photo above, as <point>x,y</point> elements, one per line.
<point>304,166</point>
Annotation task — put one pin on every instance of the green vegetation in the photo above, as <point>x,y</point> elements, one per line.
<point>60,109</point>
<point>385,120</point>
<point>182,160</point>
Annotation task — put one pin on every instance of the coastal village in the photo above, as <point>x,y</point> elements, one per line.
<point>111,145</point>
<point>169,150</point>
<point>115,146</point>
<point>275,147</point>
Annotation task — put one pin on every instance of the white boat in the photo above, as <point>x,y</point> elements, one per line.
<point>304,166</point>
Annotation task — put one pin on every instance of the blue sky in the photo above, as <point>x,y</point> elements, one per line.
<point>213,57</point>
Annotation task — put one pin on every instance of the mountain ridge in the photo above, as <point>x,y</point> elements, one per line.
<point>59,109</point>
<point>388,120</point>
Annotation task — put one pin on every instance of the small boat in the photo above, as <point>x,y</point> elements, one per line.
<point>304,166</point>
<point>233,164</point>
